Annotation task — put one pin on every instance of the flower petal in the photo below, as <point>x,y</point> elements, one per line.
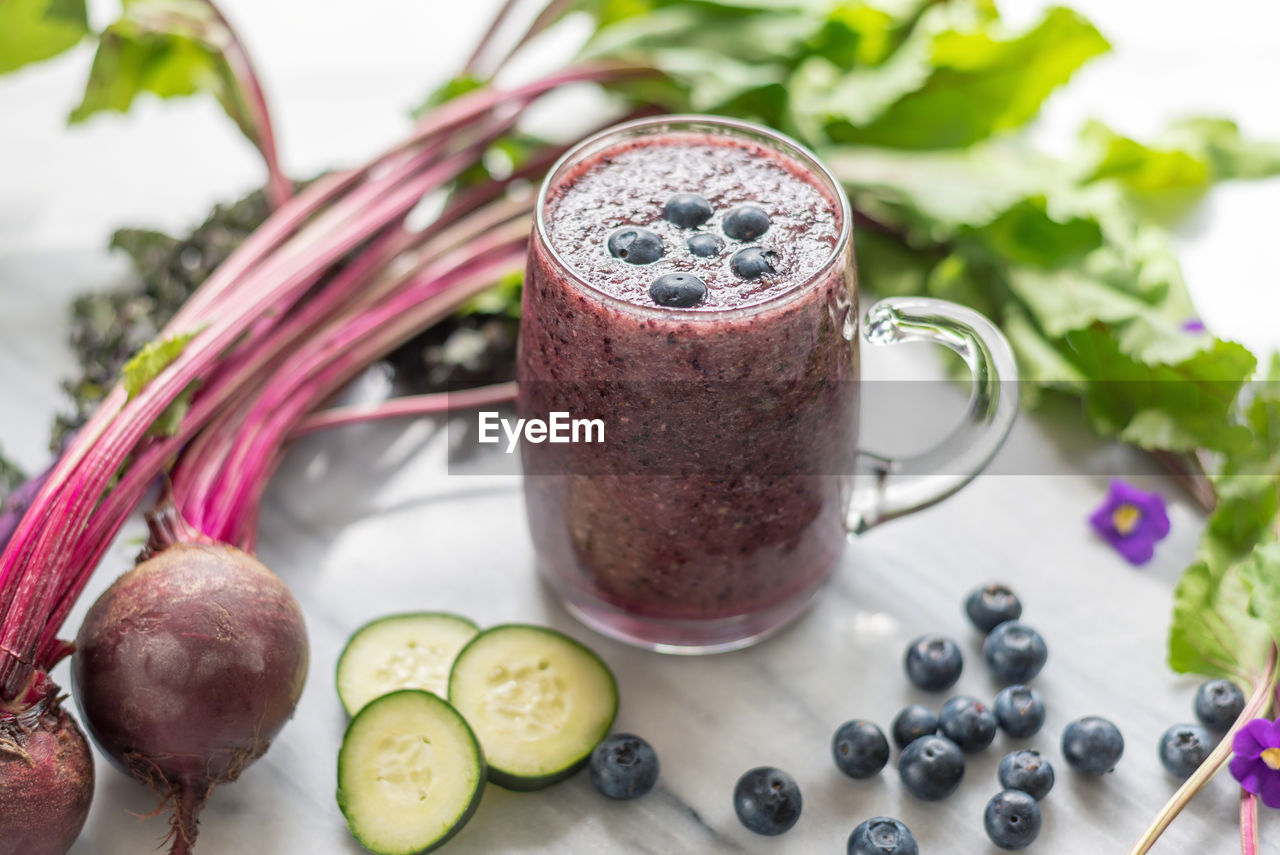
<point>1156,517</point>
<point>1102,522</point>
<point>1270,789</point>
<point>1252,739</point>
<point>1123,493</point>
<point>1249,772</point>
<point>1137,547</point>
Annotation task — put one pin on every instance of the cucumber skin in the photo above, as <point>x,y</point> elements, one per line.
<point>526,783</point>
<point>463,818</point>
<point>337,668</point>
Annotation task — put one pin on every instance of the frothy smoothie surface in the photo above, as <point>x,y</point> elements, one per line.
<point>691,221</point>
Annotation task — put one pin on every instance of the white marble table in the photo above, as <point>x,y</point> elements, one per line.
<point>366,520</point>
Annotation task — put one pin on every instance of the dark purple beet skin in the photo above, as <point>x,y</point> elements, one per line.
<point>720,490</point>
<point>186,668</point>
<point>46,781</point>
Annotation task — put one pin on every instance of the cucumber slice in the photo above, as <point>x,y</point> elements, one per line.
<point>538,701</point>
<point>409,651</point>
<point>410,773</point>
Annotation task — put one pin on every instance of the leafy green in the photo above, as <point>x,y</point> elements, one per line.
<point>958,79</point>
<point>1174,170</point>
<point>1227,605</point>
<point>454,87</point>
<point>145,366</point>
<point>10,477</point>
<point>1214,632</point>
<point>154,357</point>
<point>170,419</point>
<point>168,48</point>
<point>35,30</point>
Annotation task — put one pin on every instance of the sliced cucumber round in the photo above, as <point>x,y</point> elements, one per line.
<point>410,773</point>
<point>408,651</point>
<point>538,701</point>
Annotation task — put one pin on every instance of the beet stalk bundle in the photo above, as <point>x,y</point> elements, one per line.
<point>334,279</point>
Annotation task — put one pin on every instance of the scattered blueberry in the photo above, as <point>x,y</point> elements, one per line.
<point>931,768</point>
<point>753,262</point>
<point>746,222</point>
<point>680,290</point>
<point>687,210</point>
<point>767,800</point>
<point>1020,711</point>
<point>912,723</point>
<point>1015,652</point>
<point>1092,745</point>
<point>1218,704</point>
<point>623,766</point>
<point>635,246</point>
<point>992,605</point>
<point>1012,819</point>
<point>933,663</point>
<point>1183,748</point>
<point>882,836</point>
<point>1027,771</point>
<point>860,749</point>
<point>968,722</point>
<point>704,245</point>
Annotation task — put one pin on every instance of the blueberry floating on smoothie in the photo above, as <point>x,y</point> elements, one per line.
<point>753,262</point>
<point>687,210</point>
<point>635,246</point>
<point>678,290</point>
<point>705,245</point>
<point>746,222</point>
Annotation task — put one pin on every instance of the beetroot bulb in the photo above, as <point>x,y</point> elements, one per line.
<point>46,779</point>
<point>187,667</point>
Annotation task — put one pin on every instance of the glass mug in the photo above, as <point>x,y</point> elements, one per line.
<point>724,493</point>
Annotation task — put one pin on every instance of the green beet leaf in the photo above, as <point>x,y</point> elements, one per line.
<point>154,357</point>
<point>35,30</point>
<point>168,48</point>
<point>1214,633</point>
<point>960,77</point>
<point>11,475</point>
<point>1261,575</point>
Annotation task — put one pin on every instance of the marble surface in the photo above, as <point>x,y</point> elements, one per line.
<point>370,520</point>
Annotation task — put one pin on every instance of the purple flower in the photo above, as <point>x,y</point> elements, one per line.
<point>1131,520</point>
<point>1193,325</point>
<point>1256,764</point>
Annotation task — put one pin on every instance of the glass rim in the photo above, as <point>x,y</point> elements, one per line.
<point>776,139</point>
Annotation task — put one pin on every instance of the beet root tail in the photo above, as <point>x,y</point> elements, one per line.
<point>188,801</point>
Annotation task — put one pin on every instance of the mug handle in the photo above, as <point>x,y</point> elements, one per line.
<point>900,486</point>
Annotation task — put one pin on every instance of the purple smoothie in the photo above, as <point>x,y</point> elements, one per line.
<point>718,500</point>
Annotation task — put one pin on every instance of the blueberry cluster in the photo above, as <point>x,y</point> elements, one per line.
<point>743,223</point>
<point>1184,747</point>
<point>933,746</point>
